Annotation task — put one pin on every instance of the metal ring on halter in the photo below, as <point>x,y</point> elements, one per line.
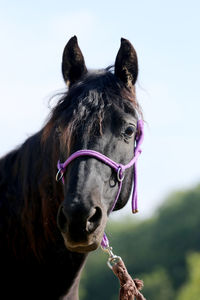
<point>59,175</point>
<point>120,177</point>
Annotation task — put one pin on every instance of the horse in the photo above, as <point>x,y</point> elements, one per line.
<point>48,227</point>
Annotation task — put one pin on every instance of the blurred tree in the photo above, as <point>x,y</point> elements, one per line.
<point>191,289</point>
<point>98,281</point>
<point>160,243</point>
<point>158,286</point>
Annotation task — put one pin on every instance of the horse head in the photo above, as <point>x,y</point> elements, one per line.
<point>99,112</point>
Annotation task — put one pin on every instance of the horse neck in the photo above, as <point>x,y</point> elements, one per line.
<point>32,196</point>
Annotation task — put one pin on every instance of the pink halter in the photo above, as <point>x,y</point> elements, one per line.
<point>119,169</point>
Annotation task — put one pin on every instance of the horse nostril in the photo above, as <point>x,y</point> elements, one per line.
<point>79,222</point>
<point>94,220</point>
<point>62,220</point>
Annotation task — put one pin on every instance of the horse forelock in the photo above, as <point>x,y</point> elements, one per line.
<point>86,103</point>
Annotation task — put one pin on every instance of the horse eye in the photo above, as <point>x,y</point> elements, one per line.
<point>130,130</point>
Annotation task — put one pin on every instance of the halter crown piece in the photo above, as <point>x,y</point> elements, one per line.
<point>119,169</point>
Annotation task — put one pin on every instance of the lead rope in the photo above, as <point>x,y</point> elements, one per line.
<point>129,288</point>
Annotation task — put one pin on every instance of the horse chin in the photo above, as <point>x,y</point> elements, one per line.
<point>82,247</point>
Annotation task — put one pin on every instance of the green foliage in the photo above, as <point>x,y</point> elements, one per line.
<point>158,286</point>
<point>98,279</point>
<point>156,248</point>
<point>191,289</point>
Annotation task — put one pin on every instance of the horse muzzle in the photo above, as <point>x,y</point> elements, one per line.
<point>81,228</point>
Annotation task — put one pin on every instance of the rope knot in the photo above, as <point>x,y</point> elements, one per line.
<point>129,288</point>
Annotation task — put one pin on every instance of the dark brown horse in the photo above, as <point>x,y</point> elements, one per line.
<point>47,228</point>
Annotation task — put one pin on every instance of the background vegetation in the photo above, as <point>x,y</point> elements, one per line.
<point>164,251</point>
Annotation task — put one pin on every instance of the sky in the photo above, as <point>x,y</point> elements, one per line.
<point>166,36</point>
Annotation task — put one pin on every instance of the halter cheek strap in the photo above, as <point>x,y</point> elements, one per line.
<point>118,168</point>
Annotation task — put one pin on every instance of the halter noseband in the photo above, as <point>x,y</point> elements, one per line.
<point>119,168</point>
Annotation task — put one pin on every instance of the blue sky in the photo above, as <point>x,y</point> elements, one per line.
<point>166,36</point>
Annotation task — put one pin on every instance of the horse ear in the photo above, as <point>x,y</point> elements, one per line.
<point>73,64</point>
<point>126,63</point>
